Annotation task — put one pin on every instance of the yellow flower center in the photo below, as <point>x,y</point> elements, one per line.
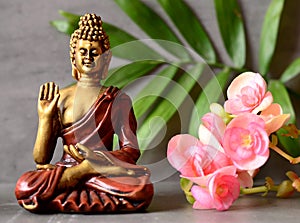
<point>222,191</point>
<point>246,140</point>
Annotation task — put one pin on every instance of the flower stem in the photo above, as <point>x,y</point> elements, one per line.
<point>254,190</point>
<point>285,155</point>
<point>259,189</point>
<point>269,186</point>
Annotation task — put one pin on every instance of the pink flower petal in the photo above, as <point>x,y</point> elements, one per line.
<point>243,80</point>
<point>247,93</point>
<point>202,181</point>
<point>219,190</point>
<point>179,152</point>
<point>207,137</point>
<point>265,103</point>
<point>215,125</point>
<point>202,197</point>
<point>276,123</point>
<point>246,141</point>
<point>274,118</point>
<point>245,179</point>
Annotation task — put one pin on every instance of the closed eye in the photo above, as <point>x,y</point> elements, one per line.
<point>82,51</point>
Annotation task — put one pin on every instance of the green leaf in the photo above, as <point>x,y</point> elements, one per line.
<point>129,47</point>
<point>291,145</point>
<point>154,89</point>
<point>152,24</point>
<point>210,94</point>
<point>232,30</point>
<point>124,75</point>
<point>162,113</point>
<point>281,96</point>
<point>268,36</point>
<point>190,27</point>
<point>126,46</point>
<point>64,26</point>
<point>292,71</point>
<point>72,18</point>
<point>190,198</point>
<point>186,186</point>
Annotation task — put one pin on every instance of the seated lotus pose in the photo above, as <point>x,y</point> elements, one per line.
<point>90,177</point>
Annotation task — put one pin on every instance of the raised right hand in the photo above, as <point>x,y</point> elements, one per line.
<point>48,99</point>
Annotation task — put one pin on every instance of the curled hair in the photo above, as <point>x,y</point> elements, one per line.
<point>90,28</point>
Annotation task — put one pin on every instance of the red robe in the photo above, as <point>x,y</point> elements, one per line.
<point>111,114</point>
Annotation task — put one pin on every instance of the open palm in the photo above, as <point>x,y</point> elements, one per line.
<point>48,99</point>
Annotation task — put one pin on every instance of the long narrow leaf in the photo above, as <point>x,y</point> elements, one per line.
<point>163,112</point>
<point>72,18</point>
<point>232,30</point>
<point>122,76</point>
<point>64,26</point>
<point>210,94</point>
<point>190,27</point>
<point>126,46</point>
<point>292,71</point>
<point>291,145</point>
<point>136,50</point>
<point>152,24</point>
<point>268,36</point>
<point>153,90</point>
<point>281,96</point>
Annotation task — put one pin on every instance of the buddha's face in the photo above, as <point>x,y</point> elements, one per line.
<point>88,57</point>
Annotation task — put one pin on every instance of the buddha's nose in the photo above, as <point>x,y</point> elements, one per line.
<point>89,58</point>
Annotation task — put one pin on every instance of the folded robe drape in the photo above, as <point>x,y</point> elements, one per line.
<point>111,114</point>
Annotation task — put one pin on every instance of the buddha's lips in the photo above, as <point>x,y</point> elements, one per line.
<point>89,64</point>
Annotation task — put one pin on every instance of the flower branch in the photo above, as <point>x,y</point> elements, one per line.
<point>233,143</point>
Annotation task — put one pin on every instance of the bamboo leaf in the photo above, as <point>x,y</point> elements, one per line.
<point>292,71</point>
<point>122,76</point>
<point>281,96</point>
<point>156,120</point>
<point>190,27</point>
<point>126,46</point>
<point>291,145</point>
<point>63,26</point>
<point>152,24</point>
<point>146,98</point>
<point>131,49</point>
<point>268,36</point>
<point>210,94</point>
<point>232,30</point>
<point>72,18</point>
<point>66,26</point>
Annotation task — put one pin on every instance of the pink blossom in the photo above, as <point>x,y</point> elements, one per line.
<point>218,191</point>
<point>192,158</point>
<point>246,141</point>
<point>274,118</point>
<point>247,93</point>
<point>215,125</point>
<point>245,179</point>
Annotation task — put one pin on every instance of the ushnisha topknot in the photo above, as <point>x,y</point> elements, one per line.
<point>90,28</point>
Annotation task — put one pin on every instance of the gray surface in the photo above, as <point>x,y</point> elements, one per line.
<point>32,52</point>
<point>168,205</point>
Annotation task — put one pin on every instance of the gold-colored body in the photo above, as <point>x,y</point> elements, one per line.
<point>58,109</point>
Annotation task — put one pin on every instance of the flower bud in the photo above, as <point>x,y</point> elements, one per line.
<point>285,189</point>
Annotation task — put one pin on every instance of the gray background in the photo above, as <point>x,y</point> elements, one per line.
<point>32,52</point>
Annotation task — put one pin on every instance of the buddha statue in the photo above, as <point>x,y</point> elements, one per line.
<point>91,177</point>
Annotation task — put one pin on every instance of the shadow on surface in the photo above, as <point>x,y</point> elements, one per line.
<point>168,197</point>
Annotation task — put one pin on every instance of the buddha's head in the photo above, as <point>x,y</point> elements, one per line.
<point>89,48</point>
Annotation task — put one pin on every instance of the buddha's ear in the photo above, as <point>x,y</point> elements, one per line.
<point>106,58</point>
<point>75,73</point>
